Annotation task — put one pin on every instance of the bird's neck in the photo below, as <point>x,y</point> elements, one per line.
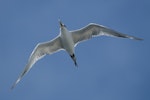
<point>64,31</point>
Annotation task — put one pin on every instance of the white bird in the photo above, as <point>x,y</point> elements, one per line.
<point>67,40</point>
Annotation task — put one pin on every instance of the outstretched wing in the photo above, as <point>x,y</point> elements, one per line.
<point>92,30</point>
<point>40,51</point>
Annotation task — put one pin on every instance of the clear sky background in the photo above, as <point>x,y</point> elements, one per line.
<point>109,68</point>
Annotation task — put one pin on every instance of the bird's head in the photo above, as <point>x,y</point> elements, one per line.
<point>61,24</point>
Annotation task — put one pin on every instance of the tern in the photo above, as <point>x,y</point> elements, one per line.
<point>67,40</point>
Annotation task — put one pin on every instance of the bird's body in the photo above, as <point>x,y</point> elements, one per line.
<point>67,40</point>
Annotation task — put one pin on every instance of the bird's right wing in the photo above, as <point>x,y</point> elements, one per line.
<point>93,30</point>
<point>40,51</point>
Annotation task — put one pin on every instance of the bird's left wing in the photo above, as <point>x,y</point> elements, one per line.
<point>93,30</point>
<point>40,51</point>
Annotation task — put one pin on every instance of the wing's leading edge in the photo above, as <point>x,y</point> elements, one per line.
<point>40,51</point>
<point>93,30</point>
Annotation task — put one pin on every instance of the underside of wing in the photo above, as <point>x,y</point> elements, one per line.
<point>40,51</point>
<point>93,30</point>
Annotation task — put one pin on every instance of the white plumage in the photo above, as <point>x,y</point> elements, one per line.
<point>67,40</point>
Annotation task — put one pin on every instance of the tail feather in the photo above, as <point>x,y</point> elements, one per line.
<point>74,59</point>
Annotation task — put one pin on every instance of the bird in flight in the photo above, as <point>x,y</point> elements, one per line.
<point>67,40</point>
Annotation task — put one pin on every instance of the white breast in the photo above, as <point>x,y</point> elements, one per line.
<point>67,41</point>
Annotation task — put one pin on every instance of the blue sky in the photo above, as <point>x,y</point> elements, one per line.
<point>109,68</point>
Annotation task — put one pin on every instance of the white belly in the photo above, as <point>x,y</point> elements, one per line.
<point>67,42</point>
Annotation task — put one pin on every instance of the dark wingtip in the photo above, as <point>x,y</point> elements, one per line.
<point>134,38</point>
<point>139,39</point>
<point>13,86</point>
